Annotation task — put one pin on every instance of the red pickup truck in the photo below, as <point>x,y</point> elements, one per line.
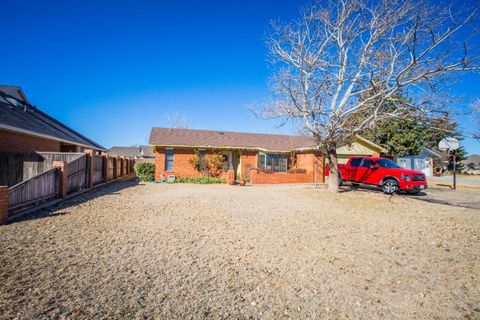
<point>382,172</point>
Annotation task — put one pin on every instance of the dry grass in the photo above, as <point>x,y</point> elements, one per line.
<point>195,251</point>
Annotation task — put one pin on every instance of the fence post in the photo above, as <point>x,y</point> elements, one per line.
<point>115,167</point>
<point>105,167</point>
<point>89,153</point>
<point>3,204</point>
<point>119,166</point>
<point>62,181</point>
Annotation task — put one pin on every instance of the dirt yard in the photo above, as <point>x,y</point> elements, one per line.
<point>133,251</point>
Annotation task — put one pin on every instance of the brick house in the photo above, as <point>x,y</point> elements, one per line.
<point>25,128</point>
<point>260,158</point>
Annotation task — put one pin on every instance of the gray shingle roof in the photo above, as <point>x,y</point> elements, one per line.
<point>227,139</point>
<point>138,152</point>
<point>20,117</point>
<point>15,92</point>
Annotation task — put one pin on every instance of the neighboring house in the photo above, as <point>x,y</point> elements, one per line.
<point>25,128</point>
<point>421,162</point>
<point>472,164</point>
<point>275,158</point>
<point>140,152</point>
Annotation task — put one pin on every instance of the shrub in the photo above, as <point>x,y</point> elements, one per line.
<point>201,180</point>
<point>145,171</point>
<point>212,165</point>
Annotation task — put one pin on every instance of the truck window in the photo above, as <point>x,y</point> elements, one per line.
<point>386,163</point>
<point>355,162</point>
<point>366,163</point>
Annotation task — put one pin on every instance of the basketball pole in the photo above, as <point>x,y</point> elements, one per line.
<point>454,172</point>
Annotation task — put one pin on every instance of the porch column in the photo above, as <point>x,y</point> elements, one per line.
<point>231,177</point>
<point>253,176</point>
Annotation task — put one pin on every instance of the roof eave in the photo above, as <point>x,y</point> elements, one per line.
<point>154,145</point>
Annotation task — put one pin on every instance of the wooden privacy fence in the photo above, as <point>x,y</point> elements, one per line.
<point>111,168</point>
<point>82,172</point>
<point>16,167</point>
<point>77,174</point>
<point>39,188</point>
<point>98,163</point>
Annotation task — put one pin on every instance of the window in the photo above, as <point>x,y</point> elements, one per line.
<point>270,162</point>
<point>366,163</point>
<point>387,163</point>
<point>355,162</point>
<point>201,156</point>
<point>168,159</point>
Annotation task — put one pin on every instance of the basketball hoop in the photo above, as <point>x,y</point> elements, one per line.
<point>448,144</point>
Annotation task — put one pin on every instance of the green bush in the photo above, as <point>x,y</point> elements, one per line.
<point>200,180</point>
<point>145,171</point>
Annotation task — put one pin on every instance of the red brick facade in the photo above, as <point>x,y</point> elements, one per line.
<point>181,163</point>
<point>18,142</point>
<point>11,141</point>
<point>248,161</point>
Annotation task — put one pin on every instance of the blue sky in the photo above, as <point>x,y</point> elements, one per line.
<point>113,69</point>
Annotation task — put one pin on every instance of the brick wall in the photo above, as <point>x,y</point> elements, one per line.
<point>11,141</point>
<point>280,178</point>
<point>181,163</point>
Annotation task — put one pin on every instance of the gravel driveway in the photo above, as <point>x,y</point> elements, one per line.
<point>135,251</point>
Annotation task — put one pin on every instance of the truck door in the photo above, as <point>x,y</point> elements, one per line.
<point>353,168</point>
<point>363,171</point>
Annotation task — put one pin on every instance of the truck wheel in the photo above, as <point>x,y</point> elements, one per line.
<point>390,186</point>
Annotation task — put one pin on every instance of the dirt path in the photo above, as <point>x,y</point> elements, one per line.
<point>195,251</point>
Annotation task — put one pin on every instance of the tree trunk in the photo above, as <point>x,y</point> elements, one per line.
<point>333,181</point>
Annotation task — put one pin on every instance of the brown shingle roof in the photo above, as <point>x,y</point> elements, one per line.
<point>228,139</point>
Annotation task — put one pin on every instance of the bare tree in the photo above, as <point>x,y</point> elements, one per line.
<point>342,65</point>
<point>177,120</point>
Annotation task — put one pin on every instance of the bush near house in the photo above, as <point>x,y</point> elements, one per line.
<point>145,171</point>
<point>212,165</point>
<point>201,180</point>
